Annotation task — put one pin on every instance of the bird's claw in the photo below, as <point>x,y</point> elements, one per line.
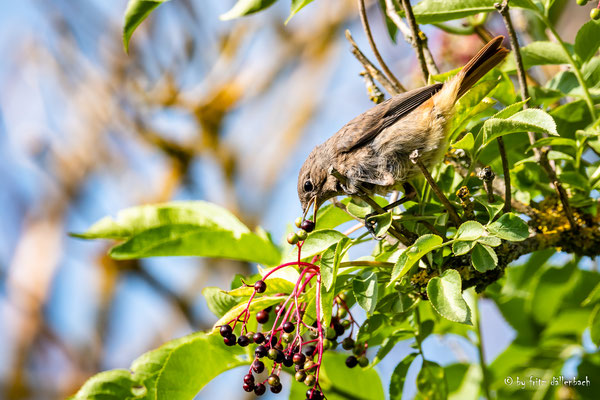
<point>370,225</point>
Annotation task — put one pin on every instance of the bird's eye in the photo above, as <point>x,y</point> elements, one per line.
<point>308,186</point>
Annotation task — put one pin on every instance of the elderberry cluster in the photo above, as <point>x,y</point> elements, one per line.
<point>291,343</point>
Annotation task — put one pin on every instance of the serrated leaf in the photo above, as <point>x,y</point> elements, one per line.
<point>246,7</point>
<point>218,301</point>
<point>510,110</point>
<point>135,14</point>
<point>365,291</point>
<point>189,228</point>
<point>399,376</point>
<point>445,295</point>
<point>586,41</point>
<point>509,227</point>
<point>483,258</point>
<point>530,120</point>
<point>413,253</point>
<point>470,230</point>
<point>316,243</point>
<point>553,141</point>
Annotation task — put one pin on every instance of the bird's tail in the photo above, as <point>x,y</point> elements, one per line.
<point>487,58</point>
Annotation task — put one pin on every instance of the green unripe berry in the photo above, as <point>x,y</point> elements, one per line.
<point>287,337</point>
<point>363,361</point>
<point>273,380</point>
<point>302,234</point>
<point>342,296</point>
<point>250,336</point>
<point>272,354</point>
<point>358,349</point>
<point>298,222</point>
<point>341,313</point>
<point>308,365</point>
<point>327,344</point>
<point>292,238</point>
<point>595,14</point>
<point>346,323</point>
<point>310,380</point>
<point>348,344</point>
<point>330,334</point>
<point>300,376</point>
<point>582,2</point>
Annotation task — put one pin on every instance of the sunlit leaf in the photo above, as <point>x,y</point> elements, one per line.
<point>445,295</point>
<point>246,7</point>
<point>135,14</point>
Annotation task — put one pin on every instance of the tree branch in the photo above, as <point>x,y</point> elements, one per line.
<point>416,41</point>
<point>365,23</point>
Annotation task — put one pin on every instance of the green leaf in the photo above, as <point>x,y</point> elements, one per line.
<point>510,110</point>
<point>399,376</point>
<point>445,295</point>
<point>431,381</point>
<point>193,228</point>
<point>553,141</point>
<point>492,241</point>
<point>330,216</point>
<point>382,223</point>
<point>530,120</point>
<point>170,372</point>
<point>593,297</point>
<point>595,325</point>
<point>297,5</point>
<point>246,7</point>
<point>484,258</point>
<point>316,243</point>
<point>136,12</point>
<point>470,230</point>
<point>111,385</point>
<point>330,262</point>
<point>433,11</point>
<point>218,301</point>
<point>460,248</point>
<point>274,286</point>
<point>365,291</point>
<point>388,344</point>
<point>538,53</point>
<point>586,41</point>
<point>412,254</point>
<point>466,143</point>
<point>509,227</point>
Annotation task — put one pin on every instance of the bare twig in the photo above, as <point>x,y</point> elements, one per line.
<point>373,91</point>
<point>416,41</point>
<point>540,154</point>
<point>506,172</point>
<point>487,176</point>
<point>392,13</point>
<point>365,23</point>
<point>414,158</point>
<point>372,69</point>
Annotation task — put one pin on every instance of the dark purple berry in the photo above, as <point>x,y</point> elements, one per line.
<point>243,341</point>
<point>258,366</point>
<point>276,389</point>
<point>310,350</point>
<point>278,308</point>
<point>339,328</point>
<point>262,317</point>
<point>258,338</point>
<point>351,362</point>
<point>260,286</point>
<point>260,389</point>
<point>249,379</point>
<point>299,358</point>
<point>248,388</point>
<point>307,225</point>
<point>314,394</point>
<point>261,351</point>
<point>230,340</point>
<point>288,360</point>
<point>270,340</point>
<point>348,344</point>
<point>225,330</point>
<point>280,357</point>
<point>288,327</point>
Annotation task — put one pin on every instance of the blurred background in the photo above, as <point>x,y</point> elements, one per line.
<point>200,109</point>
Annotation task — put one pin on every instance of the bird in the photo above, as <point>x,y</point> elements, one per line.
<point>372,151</point>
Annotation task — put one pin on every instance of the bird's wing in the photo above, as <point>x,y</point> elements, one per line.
<point>368,125</point>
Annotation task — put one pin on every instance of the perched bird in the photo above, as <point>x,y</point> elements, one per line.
<point>372,151</point>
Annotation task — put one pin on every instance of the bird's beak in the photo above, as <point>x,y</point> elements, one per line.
<point>313,202</point>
